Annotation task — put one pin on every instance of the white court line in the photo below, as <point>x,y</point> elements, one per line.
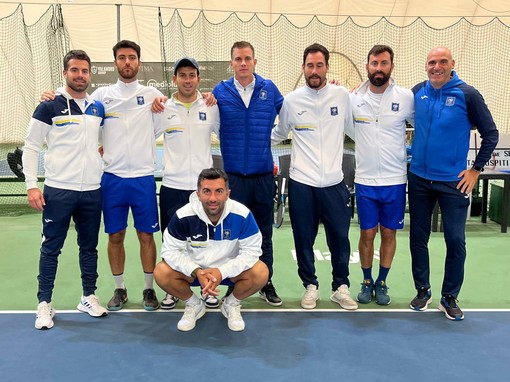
<point>275,310</point>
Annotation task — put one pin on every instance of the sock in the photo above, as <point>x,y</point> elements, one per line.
<point>193,299</point>
<point>367,274</point>
<point>231,300</point>
<point>149,280</point>
<point>119,281</point>
<point>383,273</point>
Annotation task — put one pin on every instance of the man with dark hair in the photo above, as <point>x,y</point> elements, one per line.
<point>446,109</point>
<point>187,123</point>
<point>210,240</point>
<point>318,114</point>
<point>380,109</point>
<point>248,107</point>
<point>128,180</point>
<point>70,125</point>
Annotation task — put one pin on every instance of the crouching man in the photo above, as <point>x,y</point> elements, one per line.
<point>209,241</point>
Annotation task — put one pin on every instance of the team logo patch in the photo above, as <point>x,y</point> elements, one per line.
<point>334,110</point>
<point>395,106</point>
<point>202,116</point>
<point>263,95</point>
<point>450,101</point>
<point>93,109</point>
<point>140,100</point>
<point>227,234</point>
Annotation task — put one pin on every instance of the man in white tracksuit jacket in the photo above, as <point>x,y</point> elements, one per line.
<point>318,114</point>
<point>380,109</point>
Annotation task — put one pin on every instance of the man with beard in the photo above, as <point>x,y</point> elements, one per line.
<point>128,179</point>
<point>70,125</point>
<point>318,114</point>
<point>380,109</point>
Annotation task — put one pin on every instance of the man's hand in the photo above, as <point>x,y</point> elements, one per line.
<point>158,106</point>
<point>210,99</point>
<point>468,181</point>
<point>209,280</point>
<point>36,199</point>
<point>48,95</point>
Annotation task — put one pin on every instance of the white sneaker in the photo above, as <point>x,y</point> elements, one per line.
<point>192,312</point>
<point>341,296</point>
<point>233,315</point>
<point>309,300</point>
<point>169,302</point>
<point>90,304</point>
<point>44,316</point>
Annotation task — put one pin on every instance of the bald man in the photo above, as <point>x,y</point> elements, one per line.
<point>446,109</point>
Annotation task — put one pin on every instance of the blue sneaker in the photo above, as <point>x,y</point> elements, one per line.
<point>451,310</point>
<point>422,300</point>
<point>367,292</point>
<point>381,293</point>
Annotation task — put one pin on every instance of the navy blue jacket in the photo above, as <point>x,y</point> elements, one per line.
<point>443,120</point>
<point>245,133</point>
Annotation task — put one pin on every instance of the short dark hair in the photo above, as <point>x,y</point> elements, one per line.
<point>211,174</point>
<point>75,55</point>
<point>314,48</point>
<point>378,49</point>
<point>127,44</point>
<point>241,45</point>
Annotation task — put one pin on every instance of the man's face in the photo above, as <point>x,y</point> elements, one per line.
<point>243,63</point>
<point>127,63</point>
<point>439,66</point>
<point>77,75</point>
<point>315,70</point>
<point>379,69</point>
<point>213,195</point>
<point>187,81</point>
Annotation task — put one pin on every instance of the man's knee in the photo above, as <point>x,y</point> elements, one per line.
<point>163,272</point>
<point>117,238</point>
<point>145,238</point>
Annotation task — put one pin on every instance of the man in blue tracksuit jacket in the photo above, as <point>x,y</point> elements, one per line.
<point>248,107</point>
<point>446,109</point>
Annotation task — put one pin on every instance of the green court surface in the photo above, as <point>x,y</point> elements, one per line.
<point>487,268</point>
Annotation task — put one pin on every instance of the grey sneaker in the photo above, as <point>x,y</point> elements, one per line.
<point>381,293</point>
<point>366,293</point>
<point>169,302</point>
<point>118,300</point>
<point>309,300</point>
<point>150,301</point>
<point>90,304</point>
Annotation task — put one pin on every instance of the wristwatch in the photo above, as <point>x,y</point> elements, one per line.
<point>477,168</point>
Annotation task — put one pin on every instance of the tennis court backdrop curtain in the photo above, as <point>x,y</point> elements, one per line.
<point>34,37</point>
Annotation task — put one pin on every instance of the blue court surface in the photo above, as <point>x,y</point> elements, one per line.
<point>276,346</point>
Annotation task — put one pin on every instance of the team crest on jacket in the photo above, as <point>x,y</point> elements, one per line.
<point>227,234</point>
<point>140,100</point>
<point>334,110</point>
<point>202,116</point>
<point>450,101</point>
<point>263,95</point>
<point>395,106</point>
<point>93,110</point>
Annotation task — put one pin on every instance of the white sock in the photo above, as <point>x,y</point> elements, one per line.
<point>231,300</point>
<point>119,281</point>
<point>149,280</point>
<point>193,299</point>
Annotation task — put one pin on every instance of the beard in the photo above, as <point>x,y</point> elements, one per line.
<point>379,81</point>
<point>79,88</point>
<point>128,73</point>
<point>315,85</point>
